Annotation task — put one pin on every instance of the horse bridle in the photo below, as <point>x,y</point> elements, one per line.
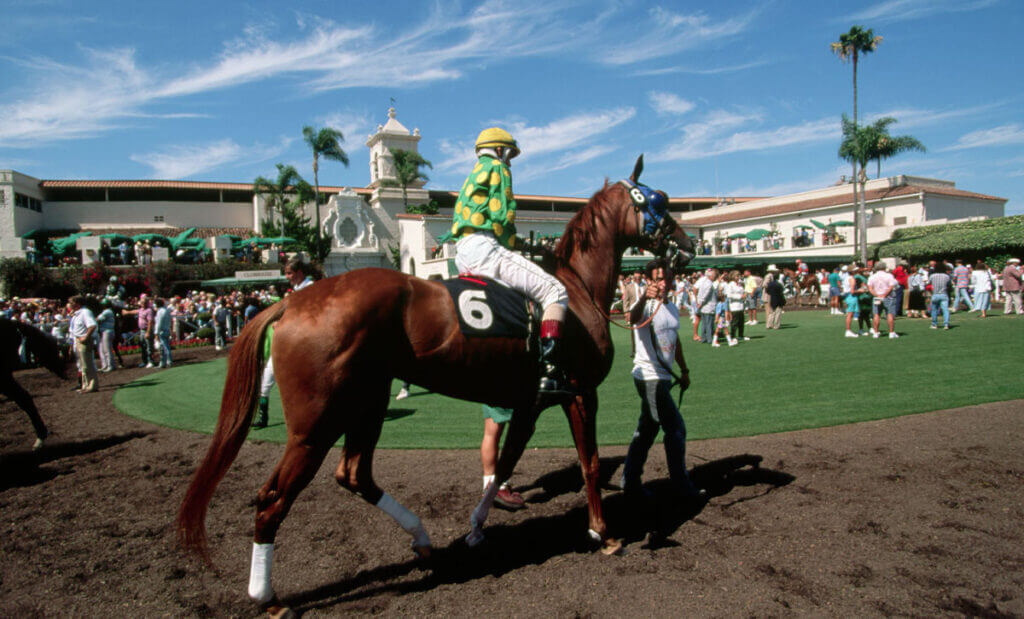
<point>658,224</point>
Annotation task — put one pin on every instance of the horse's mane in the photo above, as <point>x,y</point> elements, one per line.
<point>579,232</point>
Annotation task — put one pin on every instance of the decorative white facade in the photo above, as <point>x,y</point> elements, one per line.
<point>367,223</point>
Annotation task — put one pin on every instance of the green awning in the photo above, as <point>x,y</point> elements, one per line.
<point>757,234</point>
<point>233,281</point>
<point>841,224</point>
<point>738,235</point>
<point>818,224</point>
<point>803,227</point>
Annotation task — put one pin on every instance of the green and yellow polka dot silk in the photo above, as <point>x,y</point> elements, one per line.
<point>486,202</point>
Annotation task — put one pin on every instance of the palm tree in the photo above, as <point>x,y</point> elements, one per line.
<point>325,143</point>
<point>849,47</point>
<point>408,171</point>
<point>288,181</point>
<point>883,146</point>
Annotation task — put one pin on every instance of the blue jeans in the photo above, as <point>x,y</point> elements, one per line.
<point>165,349</point>
<point>657,411</point>
<point>964,294</point>
<point>940,301</point>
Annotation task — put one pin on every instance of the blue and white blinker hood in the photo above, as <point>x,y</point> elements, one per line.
<point>653,204</point>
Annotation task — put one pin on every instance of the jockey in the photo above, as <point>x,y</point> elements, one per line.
<point>801,268</point>
<point>484,224</point>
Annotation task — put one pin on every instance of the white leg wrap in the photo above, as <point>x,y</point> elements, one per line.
<point>259,572</point>
<point>479,516</point>
<point>487,480</point>
<point>405,518</point>
<point>594,535</point>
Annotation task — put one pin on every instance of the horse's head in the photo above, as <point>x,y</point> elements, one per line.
<point>656,229</point>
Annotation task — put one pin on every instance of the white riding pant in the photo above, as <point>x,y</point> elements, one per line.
<point>268,381</point>
<point>481,254</point>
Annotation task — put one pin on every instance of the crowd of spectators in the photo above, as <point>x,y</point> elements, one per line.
<point>145,325</point>
<point>722,303</point>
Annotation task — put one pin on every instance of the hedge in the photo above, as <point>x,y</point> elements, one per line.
<point>992,240</point>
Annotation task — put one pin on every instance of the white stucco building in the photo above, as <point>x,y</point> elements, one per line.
<point>368,223</point>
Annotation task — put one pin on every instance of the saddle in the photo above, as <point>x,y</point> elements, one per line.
<point>487,308</point>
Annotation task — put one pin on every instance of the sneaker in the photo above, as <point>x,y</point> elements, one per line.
<point>893,336</point>
<point>746,339</point>
<point>507,499</point>
<point>946,327</point>
<point>852,334</point>
<point>716,345</point>
<point>753,322</point>
<point>149,365</point>
<point>934,326</point>
<point>732,343</point>
<point>402,394</point>
<point>874,334</point>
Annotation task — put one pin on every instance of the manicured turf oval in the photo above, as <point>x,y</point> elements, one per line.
<point>804,375</point>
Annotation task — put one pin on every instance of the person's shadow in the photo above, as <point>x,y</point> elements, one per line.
<point>504,549</point>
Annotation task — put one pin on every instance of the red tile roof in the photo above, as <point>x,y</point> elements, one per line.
<point>834,200</point>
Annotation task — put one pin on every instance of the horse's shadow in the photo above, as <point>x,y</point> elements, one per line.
<point>550,536</point>
<point>25,468</point>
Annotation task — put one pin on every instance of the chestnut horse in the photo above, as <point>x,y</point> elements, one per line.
<point>46,352</point>
<point>807,283</point>
<point>338,344</point>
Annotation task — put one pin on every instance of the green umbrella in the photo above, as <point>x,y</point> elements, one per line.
<point>757,234</point>
<point>178,240</point>
<point>818,224</point>
<point>840,224</point>
<point>114,239</point>
<point>152,238</point>
<point>738,235</point>
<point>60,246</point>
<point>803,227</point>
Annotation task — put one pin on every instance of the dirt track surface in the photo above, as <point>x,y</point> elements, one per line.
<point>919,515</point>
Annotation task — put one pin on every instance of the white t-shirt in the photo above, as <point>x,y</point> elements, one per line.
<point>666,328</point>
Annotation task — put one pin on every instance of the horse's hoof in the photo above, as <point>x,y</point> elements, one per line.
<point>474,538</point>
<point>278,611</point>
<point>611,547</point>
<point>422,552</point>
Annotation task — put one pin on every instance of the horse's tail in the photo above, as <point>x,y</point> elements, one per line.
<point>43,347</point>
<point>237,405</point>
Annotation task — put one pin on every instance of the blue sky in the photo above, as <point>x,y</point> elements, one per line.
<point>726,99</point>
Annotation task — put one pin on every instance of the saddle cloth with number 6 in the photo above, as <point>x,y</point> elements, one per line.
<point>487,308</point>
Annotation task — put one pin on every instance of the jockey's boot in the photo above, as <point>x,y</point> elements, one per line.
<point>554,384</point>
<point>262,413</point>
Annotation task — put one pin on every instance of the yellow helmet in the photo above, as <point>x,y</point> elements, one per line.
<point>496,136</point>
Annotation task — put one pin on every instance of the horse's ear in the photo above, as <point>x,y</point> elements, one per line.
<point>637,169</point>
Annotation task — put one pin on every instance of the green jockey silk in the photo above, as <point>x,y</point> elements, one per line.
<point>486,203</point>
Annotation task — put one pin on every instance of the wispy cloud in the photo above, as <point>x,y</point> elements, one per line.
<point>905,10</point>
<point>354,126</point>
<point>666,33</point>
<point>705,71</point>
<point>559,136</point>
<point>110,86</point>
<point>786,187</point>
<point>575,158</point>
<point>997,136</point>
<point>183,161</point>
<point>668,103</point>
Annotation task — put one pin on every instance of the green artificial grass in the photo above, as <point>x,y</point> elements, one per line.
<point>804,375</point>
